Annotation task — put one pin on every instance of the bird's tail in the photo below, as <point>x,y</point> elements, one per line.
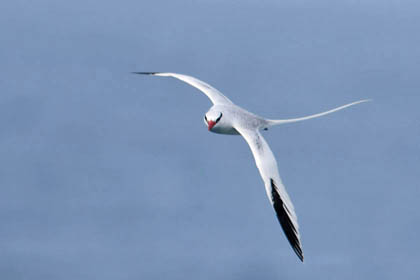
<point>276,122</point>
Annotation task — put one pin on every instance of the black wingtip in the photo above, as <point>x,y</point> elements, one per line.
<point>300,256</point>
<point>145,73</point>
<point>286,223</point>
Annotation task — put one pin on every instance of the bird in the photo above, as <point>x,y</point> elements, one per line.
<point>225,117</point>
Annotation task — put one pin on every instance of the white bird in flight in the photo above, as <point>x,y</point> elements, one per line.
<point>225,117</point>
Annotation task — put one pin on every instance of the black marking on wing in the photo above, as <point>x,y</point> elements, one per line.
<point>145,73</point>
<point>258,142</point>
<point>285,221</point>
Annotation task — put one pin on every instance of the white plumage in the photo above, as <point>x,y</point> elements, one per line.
<point>225,117</point>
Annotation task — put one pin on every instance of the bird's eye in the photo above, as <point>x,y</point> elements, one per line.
<point>205,117</point>
<point>218,119</point>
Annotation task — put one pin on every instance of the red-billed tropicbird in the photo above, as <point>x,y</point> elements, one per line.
<point>225,117</point>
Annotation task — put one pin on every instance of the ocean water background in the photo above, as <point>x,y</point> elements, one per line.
<point>108,175</point>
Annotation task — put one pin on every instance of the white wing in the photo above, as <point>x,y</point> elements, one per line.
<point>276,191</point>
<point>215,96</point>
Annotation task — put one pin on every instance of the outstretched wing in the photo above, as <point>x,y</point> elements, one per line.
<point>215,96</point>
<point>275,189</point>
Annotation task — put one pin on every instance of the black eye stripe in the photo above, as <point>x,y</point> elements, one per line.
<point>218,119</point>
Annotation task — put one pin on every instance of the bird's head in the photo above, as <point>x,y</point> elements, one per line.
<point>212,118</point>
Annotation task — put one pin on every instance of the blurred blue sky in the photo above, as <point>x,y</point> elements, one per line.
<point>107,175</point>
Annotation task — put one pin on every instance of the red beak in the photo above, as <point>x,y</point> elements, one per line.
<point>211,124</point>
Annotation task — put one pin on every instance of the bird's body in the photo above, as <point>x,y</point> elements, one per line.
<point>224,117</point>
<point>235,116</point>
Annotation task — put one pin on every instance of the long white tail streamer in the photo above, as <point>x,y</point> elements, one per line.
<point>275,122</point>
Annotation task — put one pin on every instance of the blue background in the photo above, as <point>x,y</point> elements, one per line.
<point>108,175</point>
